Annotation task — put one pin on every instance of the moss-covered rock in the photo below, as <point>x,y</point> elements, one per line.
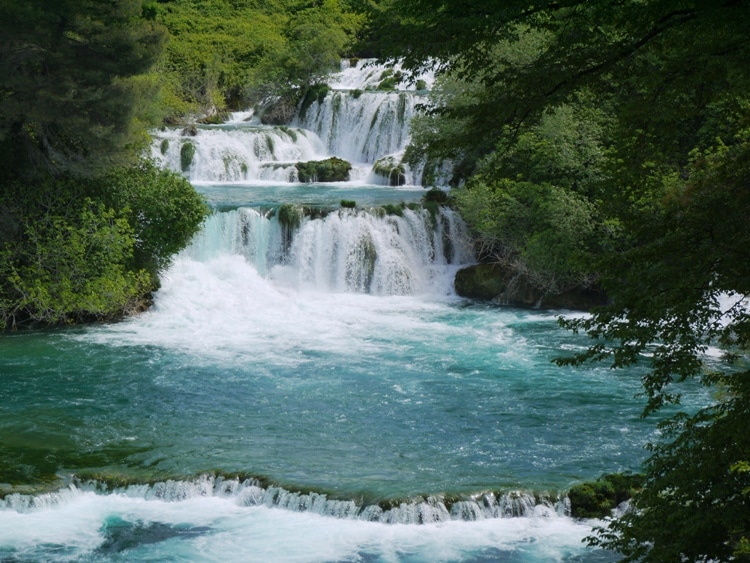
<point>290,215</point>
<point>392,209</point>
<point>331,170</point>
<point>598,498</point>
<point>482,281</point>
<point>215,118</point>
<point>504,285</point>
<point>391,170</point>
<point>349,204</point>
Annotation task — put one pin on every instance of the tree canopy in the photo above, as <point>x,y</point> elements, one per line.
<point>85,223</point>
<point>640,111</point>
<point>72,84</point>
<point>223,54</point>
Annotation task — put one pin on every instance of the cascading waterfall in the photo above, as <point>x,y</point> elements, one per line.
<point>237,153</point>
<point>306,377</point>
<point>346,250</point>
<point>354,122</point>
<point>250,492</point>
<point>364,128</point>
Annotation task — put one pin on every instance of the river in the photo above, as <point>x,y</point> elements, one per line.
<point>313,392</point>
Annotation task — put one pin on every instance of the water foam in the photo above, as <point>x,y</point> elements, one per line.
<point>226,520</point>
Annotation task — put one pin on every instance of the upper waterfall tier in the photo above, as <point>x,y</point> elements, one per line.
<point>360,128</point>
<point>354,121</point>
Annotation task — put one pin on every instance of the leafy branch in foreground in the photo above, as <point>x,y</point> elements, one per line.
<point>680,291</point>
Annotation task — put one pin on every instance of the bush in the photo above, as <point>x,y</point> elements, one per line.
<point>68,263</point>
<point>187,152</point>
<point>163,209</point>
<point>76,250</point>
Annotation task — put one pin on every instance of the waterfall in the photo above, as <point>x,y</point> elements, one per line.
<point>250,492</point>
<point>347,250</point>
<point>238,153</point>
<point>361,119</point>
<point>361,128</point>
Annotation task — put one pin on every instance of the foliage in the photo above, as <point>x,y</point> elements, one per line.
<point>638,111</point>
<point>187,152</point>
<point>540,229</point>
<point>435,195</point>
<point>330,170</point>
<point>390,169</point>
<point>671,286</point>
<point>161,207</point>
<point>86,226</point>
<point>72,95</point>
<point>213,47</point>
<point>290,215</point>
<point>598,498</point>
<point>76,250</point>
<point>226,54</point>
<point>694,506</point>
<point>67,259</point>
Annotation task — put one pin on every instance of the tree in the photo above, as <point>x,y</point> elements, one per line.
<point>671,79</point>
<point>682,289</point>
<point>68,93</point>
<point>91,249</point>
<point>85,224</point>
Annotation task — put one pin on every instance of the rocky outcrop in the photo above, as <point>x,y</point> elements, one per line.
<point>330,170</point>
<point>390,170</point>
<point>277,111</point>
<point>501,284</point>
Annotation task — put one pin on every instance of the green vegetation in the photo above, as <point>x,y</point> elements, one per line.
<point>86,225</point>
<point>74,93</point>
<point>290,215</point>
<point>225,54</point>
<point>609,143</point>
<point>187,152</point>
<point>597,499</point>
<point>329,170</point>
<point>348,204</point>
<point>391,170</point>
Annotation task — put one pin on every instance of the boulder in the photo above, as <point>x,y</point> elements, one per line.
<point>502,284</point>
<point>391,170</point>
<point>331,170</point>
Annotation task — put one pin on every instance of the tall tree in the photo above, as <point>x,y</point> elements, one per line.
<point>68,96</point>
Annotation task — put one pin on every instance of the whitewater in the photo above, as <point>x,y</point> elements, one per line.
<point>311,391</point>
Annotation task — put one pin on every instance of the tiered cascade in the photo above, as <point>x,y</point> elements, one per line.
<point>354,121</point>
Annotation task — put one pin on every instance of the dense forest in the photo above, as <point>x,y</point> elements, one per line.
<point>590,145</point>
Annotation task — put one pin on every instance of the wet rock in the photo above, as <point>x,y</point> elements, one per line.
<point>502,284</point>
